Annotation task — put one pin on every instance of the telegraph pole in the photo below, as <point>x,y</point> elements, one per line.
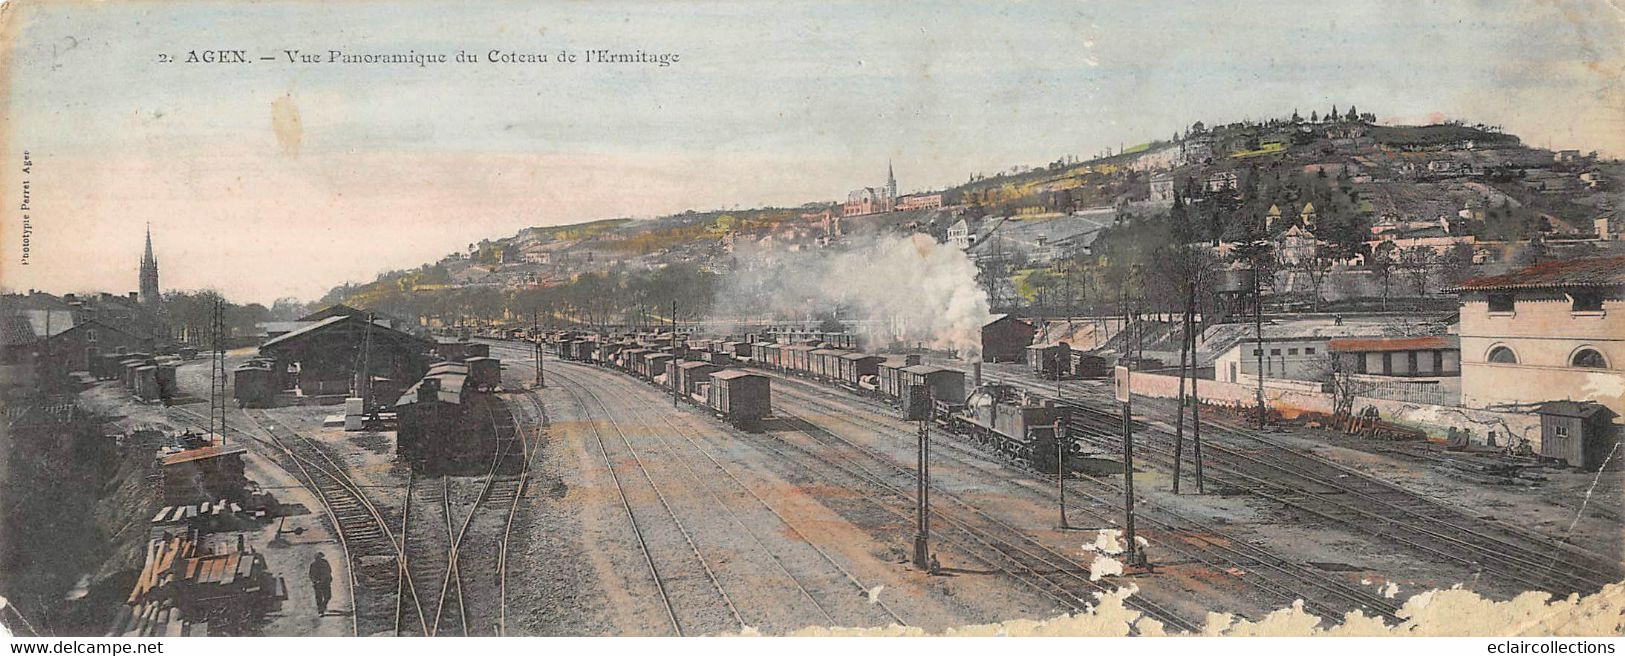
<point>672,378</point>
<point>1258,331</point>
<point>217,373</point>
<point>536,347</point>
<point>1060,470</point>
<point>1133,551</point>
<point>1179,414</point>
<point>1196,405</point>
<point>922,493</point>
<point>1060,449</point>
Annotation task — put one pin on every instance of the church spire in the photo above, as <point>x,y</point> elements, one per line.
<point>891,181</point>
<point>149,274</point>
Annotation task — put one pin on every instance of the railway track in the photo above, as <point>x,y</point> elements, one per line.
<point>1362,503</point>
<point>975,533</point>
<point>426,523</point>
<point>678,587</point>
<point>1024,559</point>
<point>1283,580</point>
<point>996,544</point>
<point>362,530</point>
<point>508,492</point>
<point>848,598</point>
<point>445,513</point>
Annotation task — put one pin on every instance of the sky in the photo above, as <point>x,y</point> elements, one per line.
<point>270,179</point>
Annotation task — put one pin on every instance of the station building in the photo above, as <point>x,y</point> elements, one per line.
<point>1554,331</point>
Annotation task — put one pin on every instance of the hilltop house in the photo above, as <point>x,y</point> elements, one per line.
<point>959,235</point>
<point>1162,189</point>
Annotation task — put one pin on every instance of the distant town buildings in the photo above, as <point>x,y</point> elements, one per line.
<point>871,200</point>
<point>920,202</point>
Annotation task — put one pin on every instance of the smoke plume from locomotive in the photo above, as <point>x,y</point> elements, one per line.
<point>894,288</point>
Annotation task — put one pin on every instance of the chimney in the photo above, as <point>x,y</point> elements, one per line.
<point>911,360</point>
<point>428,390</point>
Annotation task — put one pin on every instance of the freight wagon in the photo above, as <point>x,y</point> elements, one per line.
<point>741,397</point>
<point>484,373</point>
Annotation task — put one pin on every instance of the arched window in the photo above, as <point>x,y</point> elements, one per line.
<point>1588,358</point>
<point>1503,355</point>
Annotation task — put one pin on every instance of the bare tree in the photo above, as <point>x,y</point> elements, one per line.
<point>1381,264</point>
<point>1418,263</point>
<point>1338,371</point>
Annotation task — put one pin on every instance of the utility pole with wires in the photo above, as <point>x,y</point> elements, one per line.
<point>1126,397</point>
<point>1060,469</point>
<point>536,347</point>
<point>1060,448</point>
<point>1258,332</point>
<point>1196,395</point>
<point>922,481</point>
<point>364,383</point>
<point>676,393</point>
<point>217,372</point>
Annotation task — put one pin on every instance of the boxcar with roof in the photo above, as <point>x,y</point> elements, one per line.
<point>435,425</point>
<point>484,373</point>
<point>824,363</point>
<point>627,359</point>
<point>799,358</point>
<point>854,366</point>
<point>764,354</point>
<point>741,397</point>
<point>889,374</point>
<point>608,352</point>
<point>689,377</point>
<point>654,367</point>
<point>251,386</point>
<point>944,384</point>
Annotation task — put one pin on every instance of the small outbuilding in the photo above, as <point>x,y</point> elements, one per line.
<point>1580,433</point>
<point>1006,338</point>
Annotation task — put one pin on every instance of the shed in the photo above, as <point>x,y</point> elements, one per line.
<point>1005,339</point>
<point>1580,433</point>
<point>1050,361</point>
<point>329,352</point>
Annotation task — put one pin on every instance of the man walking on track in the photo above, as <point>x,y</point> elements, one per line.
<point>321,581</point>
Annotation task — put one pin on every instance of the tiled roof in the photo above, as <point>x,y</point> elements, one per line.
<point>1584,272</point>
<point>1379,344</point>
